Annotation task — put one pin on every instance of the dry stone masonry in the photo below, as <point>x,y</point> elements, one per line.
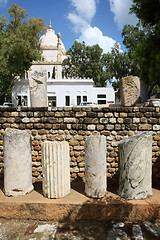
<point>17,163</point>
<point>129,91</point>
<point>56,169</point>
<point>95,166</point>
<point>74,125</point>
<point>135,166</point>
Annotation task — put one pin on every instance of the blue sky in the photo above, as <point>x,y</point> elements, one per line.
<point>92,21</point>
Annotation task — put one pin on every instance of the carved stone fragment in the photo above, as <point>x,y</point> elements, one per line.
<point>135,166</point>
<point>38,89</point>
<point>17,162</point>
<point>129,90</point>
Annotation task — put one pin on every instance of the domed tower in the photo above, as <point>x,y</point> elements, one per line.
<point>76,41</point>
<point>53,53</point>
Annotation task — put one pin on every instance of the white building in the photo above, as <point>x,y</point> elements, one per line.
<point>61,92</point>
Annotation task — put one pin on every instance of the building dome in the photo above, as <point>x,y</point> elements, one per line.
<point>50,39</point>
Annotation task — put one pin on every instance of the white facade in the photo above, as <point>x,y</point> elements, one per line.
<point>71,92</point>
<point>65,92</point>
<point>61,92</point>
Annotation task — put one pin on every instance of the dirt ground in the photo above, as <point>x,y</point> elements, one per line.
<point>20,217</point>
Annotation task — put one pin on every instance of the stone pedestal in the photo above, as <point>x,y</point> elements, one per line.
<point>129,90</point>
<point>17,163</point>
<point>38,89</point>
<point>56,169</point>
<point>135,166</point>
<point>95,166</point>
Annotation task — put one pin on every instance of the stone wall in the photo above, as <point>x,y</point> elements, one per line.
<point>75,124</point>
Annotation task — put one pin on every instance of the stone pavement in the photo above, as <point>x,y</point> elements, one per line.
<point>78,230</point>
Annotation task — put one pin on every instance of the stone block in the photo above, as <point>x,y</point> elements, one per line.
<point>42,131</point>
<point>156,127</point>
<point>119,120</point>
<point>70,120</point>
<point>17,163</point>
<point>100,127</point>
<point>112,120</point>
<point>156,138</point>
<point>135,166</point>
<point>91,127</point>
<point>59,114</point>
<point>146,126</point>
<point>103,120</point>
<point>108,115</point>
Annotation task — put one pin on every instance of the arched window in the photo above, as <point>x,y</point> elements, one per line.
<point>67,100</point>
<point>78,97</point>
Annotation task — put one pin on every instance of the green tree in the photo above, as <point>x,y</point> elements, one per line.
<point>143,41</point>
<point>147,11</point>
<point>19,46</point>
<point>85,62</point>
<point>118,64</point>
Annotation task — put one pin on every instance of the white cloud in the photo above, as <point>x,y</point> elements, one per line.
<point>92,36</point>
<point>80,15</point>
<point>85,9</point>
<point>78,22</point>
<point>120,8</point>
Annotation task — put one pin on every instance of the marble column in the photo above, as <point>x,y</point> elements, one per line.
<point>135,166</point>
<point>56,169</point>
<point>95,166</point>
<point>17,162</point>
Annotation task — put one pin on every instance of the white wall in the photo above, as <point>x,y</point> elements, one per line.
<point>72,88</point>
<point>50,55</point>
<point>108,91</point>
<point>21,88</point>
<point>66,87</point>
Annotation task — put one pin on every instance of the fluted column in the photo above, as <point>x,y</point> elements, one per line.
<point>95,166</point>
<point>56,169</point>
<point>135,166</point>
<point>17,162</point>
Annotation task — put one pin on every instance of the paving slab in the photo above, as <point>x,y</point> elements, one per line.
<point>76,206</point>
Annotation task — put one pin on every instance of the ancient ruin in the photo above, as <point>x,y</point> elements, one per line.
<point>56,169</point>
<point>95,166</point>
<point>135,166</point>
<point>129,91</point>
<point>38,89</point>
<point>17,162</point>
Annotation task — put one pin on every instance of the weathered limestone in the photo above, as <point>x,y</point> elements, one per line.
<point>38,89</point>
<point>17,162</point>
<point>56,169</point>
<point>95,166</point>
<point>129,91</point>
<point>135,166</point>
